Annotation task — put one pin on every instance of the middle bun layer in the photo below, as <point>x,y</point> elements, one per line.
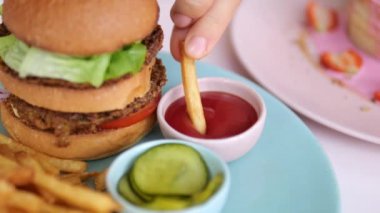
<point>63,99</point>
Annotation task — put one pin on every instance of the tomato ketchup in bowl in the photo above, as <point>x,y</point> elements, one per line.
<point>226,115</point>
<point>235,116</point>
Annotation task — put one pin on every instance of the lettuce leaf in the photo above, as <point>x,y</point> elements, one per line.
<point>129,59</point>
<point>6,42</point>
<point>31,61</point>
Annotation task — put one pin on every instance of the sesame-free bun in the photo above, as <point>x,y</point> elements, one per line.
<point>114,96</point>
<point>80,27</point>
<point>84,146</point>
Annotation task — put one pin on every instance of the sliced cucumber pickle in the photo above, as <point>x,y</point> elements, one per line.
<point>168,203</point>
<point>138,192</point>
<point>170,169</point>
<point>211,188</point>
<point>169,177</point>
<point>126,191</point>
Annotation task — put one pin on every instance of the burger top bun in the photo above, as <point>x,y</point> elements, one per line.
<point>80,27</point>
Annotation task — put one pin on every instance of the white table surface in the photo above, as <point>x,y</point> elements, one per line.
<point>356,163</point>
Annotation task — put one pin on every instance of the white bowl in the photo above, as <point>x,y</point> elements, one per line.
<point>125,160</point>
<point>230,148</point>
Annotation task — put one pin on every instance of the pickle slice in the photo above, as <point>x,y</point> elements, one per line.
<point>169,177</point>
<point>139,193</point>
<point>212,186</point>
<point>168,203</point>
<point>126,191</point>
<point>170,169</point>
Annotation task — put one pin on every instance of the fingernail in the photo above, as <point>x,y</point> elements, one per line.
<point>196,47</point>
<point>181,20</point>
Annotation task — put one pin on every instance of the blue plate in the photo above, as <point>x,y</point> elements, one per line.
<point>286,172</point>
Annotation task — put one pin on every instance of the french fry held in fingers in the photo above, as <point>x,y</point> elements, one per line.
<point>192,95</point>
<point>70,166</point>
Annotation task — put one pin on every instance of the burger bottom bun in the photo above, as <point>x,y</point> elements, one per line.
<point>84,146</point>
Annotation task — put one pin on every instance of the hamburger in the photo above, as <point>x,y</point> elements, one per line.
<point>83,76</point>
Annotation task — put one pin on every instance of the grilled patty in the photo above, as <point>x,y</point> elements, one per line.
<point>63,124</point>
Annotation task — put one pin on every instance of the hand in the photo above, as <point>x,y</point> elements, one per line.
<point>200,23</point>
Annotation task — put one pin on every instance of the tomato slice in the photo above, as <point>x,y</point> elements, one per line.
<point>132,118</point>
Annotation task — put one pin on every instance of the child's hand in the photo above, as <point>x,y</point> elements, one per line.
<point>200,23</point>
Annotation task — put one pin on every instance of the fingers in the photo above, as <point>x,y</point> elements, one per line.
<point>185,12</point>
<point>204,34</point>
<point>178,36</point>
<point>201,35</point>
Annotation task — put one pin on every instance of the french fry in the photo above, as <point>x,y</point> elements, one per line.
<point>70,166</point>
<point>46,196</point>
<point>6,152</point>
<point>100,181</point>
<point>6,163</point>
<point>19,176</point>
<point>9,153</point>
<point>74,180</point>
<point>3,207</point>
<point>30,202</point>
<point>22,176</point>
<point>11,210</point>
<point>20,199</point>
<point>78,178</point>
<point>6,192</point>
<point>5,189</point>
<point>14,173</point>
<point>32,182</point>
<point>26,160</point>
<point>76,196</point>
<point>192,95</point>
<point>49,168</point>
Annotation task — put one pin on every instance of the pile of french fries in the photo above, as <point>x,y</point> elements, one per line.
<point>31,181</point>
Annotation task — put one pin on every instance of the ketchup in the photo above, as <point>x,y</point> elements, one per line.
<point>226,115</point>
